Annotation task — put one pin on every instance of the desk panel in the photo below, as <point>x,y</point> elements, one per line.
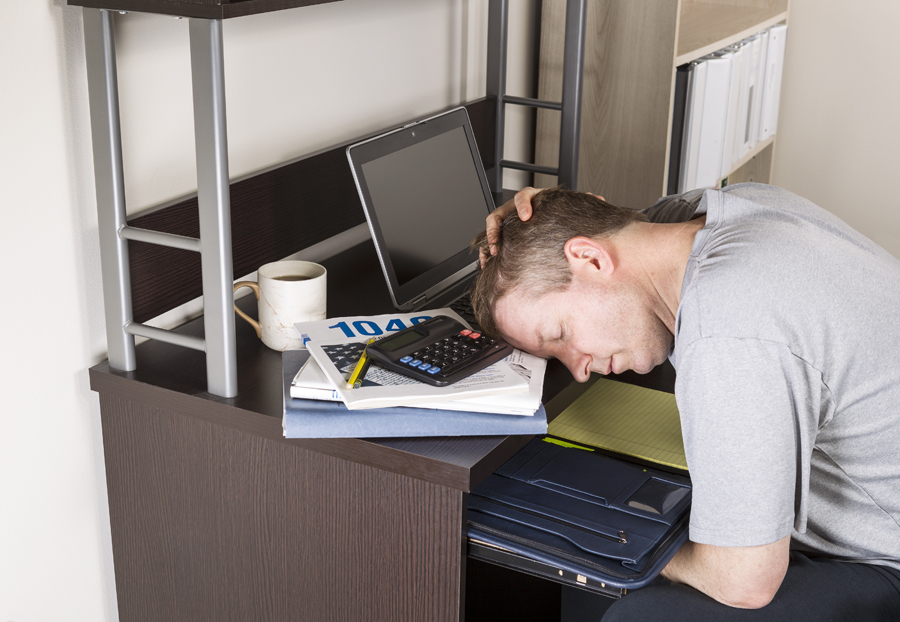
<point>212,523</point>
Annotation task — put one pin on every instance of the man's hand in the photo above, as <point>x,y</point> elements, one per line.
<point>521,202</point>
<point>746,577</point>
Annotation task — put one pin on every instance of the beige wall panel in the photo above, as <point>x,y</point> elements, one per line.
<point>627,97</point>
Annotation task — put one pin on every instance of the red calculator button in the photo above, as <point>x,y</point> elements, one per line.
<point>474,335</point>
<point>465,331</point>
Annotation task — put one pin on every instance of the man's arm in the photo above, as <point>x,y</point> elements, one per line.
<point>746,576</point>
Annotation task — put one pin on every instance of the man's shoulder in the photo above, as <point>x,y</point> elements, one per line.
<point>688,205</point>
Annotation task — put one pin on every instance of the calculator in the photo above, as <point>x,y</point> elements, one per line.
<point>439,351</point>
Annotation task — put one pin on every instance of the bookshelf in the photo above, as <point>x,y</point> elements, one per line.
<point>631,52</point>
<point>124,322</point>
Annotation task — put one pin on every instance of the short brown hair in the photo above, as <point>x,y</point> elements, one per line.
<point>530,254</point>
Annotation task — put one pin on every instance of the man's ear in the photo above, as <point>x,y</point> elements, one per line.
<point>588,256</point>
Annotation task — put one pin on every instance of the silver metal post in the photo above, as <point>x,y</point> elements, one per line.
<point>498,20</point>
<point>162,239</point>
<point>160,334</point>
<point>208,76</point>
<point>530,101</point>
<point>103,94</point>
<point>573,70</point>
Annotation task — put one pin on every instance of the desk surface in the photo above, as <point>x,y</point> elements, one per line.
<point>173,377</point>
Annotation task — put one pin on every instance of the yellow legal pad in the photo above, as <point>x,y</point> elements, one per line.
<point>625,419</point>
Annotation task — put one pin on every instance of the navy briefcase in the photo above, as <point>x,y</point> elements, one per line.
<point>579,517</point>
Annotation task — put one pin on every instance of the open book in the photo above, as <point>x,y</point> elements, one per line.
<point>312,383</point>
<point>382,388</point>
<point>509,387</point>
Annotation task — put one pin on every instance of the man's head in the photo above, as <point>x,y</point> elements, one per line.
<point>557,287</point>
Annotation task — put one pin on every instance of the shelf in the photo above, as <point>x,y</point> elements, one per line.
<point>207,9</point>
<point>755,166</point>
<point>760,146</point>
<point>705,28</point>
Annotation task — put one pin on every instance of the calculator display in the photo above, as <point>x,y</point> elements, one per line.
<point>402,339</point>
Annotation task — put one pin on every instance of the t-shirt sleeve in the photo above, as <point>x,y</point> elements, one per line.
<point>740,400</point>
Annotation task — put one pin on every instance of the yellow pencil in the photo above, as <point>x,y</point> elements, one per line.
<point>359,372</point>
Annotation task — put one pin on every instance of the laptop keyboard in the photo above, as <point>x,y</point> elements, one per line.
<point>463,306</point>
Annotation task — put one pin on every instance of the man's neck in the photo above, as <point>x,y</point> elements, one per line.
<point>659,256</point>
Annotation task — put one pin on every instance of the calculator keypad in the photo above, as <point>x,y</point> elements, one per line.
<point>442,352</point>
<point>450,352</point>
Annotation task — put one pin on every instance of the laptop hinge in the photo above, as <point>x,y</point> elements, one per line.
<point>415,304</point>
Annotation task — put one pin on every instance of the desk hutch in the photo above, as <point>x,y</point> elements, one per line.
<point>214,514</point>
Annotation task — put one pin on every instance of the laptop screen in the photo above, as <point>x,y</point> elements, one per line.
<point>429,202</point>
<point>425,197</point>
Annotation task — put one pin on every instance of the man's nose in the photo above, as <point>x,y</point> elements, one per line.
<point>579,366</point>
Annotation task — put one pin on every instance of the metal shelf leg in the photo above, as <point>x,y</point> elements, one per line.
<point>103,94</point>
<point>498,20</point>
<point>208,76</point>
<point>573,77</point>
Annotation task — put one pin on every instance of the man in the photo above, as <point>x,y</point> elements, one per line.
<point>783,325</point>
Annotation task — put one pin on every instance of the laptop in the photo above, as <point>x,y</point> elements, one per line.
<point>425,196</point>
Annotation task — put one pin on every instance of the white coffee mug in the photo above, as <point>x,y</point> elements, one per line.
<point>288,292</point>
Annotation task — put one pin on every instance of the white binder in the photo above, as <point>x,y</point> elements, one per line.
<point>691,138</point>
<point>733,125</point>
<point>712,126</point>
<point>754,66</point>
<point>771,92</point>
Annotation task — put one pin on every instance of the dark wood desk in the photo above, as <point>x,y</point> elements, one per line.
<point>216,516</point>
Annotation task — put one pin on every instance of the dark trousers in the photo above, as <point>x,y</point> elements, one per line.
<point>817,589</point>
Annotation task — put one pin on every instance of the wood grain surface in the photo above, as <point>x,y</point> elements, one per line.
<point>210,523</point>
<point>627,97</point>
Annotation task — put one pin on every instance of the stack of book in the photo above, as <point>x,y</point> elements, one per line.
<point>504,398</point>
<point>725,104</point>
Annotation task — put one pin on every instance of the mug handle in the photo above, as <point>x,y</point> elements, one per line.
<point>255,287</point>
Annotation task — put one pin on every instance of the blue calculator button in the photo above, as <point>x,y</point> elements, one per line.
<point>434,370</point>
<point>406,359</point>
<point>415,363</point>
<point>424,366</point>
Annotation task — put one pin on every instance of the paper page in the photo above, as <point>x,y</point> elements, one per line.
<point>367,326</point>
<point>311,383</point>
<point>311,376</point>
<point>383,388</point>
<point>529,367</point>
<point>625,419</point>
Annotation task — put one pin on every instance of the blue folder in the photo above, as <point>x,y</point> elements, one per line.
<point>321,419</point>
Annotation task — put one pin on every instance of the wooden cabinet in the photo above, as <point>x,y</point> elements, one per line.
<point>631,52</point>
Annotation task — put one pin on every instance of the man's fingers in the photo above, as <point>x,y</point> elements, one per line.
<point>522,202</point>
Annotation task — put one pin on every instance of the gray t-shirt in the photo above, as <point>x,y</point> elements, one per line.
<point>787,352</point>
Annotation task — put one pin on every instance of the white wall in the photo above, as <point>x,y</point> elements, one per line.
<point>839,124</point>
<point>296,81</point>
